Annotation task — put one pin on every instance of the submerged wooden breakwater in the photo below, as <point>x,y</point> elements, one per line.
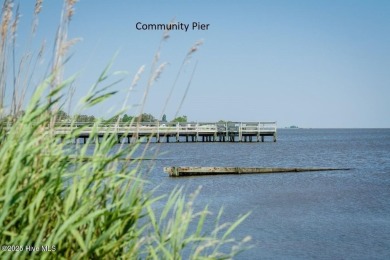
<point>192,171</point>
<point>175,132</point>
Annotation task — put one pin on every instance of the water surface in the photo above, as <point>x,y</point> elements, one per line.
<point>322,215</point>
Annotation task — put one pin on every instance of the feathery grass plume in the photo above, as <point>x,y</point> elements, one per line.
<point>70,8</point>
<point>191,51</point>
<point>133,85</point>
<point>37,10</point>
<point>6,17</point>
<point>15,91</point>
<point>62,44</point>
<point>159,71</point>
<point>194,48</point>
<point>15,23</point>
<point>38,6</point>
<point>166,31</point>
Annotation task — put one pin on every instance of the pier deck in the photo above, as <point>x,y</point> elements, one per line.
<point>176,132</point>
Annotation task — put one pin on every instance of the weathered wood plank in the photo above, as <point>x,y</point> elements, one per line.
<point>189,171</point>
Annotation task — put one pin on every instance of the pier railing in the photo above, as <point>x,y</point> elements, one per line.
<point>154,127</point>
<point>209,131</point>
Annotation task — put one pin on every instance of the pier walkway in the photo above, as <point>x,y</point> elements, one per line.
<point>176,132</point>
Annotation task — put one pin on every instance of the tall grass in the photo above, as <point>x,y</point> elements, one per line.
<point>50,196</point>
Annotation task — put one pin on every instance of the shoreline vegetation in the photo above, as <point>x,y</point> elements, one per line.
<point>63,118</point>
<point>56,204</point>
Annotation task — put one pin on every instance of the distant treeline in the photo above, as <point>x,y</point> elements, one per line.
<point>62,116</point>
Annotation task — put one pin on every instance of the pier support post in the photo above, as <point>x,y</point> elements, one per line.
<point>240,133</point>
<point>227,132</point>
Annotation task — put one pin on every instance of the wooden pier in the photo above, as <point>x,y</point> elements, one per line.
<point>177,132</point>
<point>196,171</point>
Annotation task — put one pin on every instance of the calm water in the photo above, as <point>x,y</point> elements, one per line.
<point>324,215</point>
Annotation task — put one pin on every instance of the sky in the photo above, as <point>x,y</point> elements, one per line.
<point>313,64</point>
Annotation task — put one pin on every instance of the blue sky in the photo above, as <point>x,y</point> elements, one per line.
<point>305,63</point>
